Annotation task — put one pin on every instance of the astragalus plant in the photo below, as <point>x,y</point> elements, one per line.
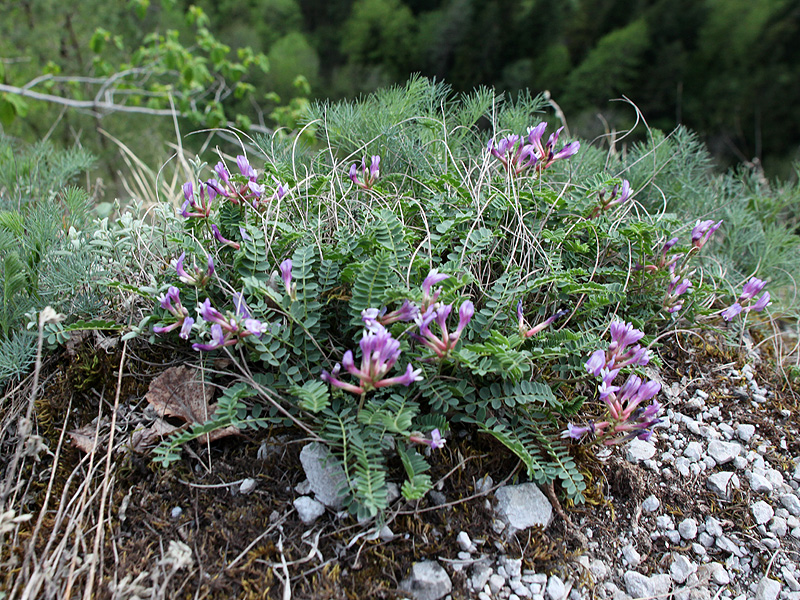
<point>434,262</point>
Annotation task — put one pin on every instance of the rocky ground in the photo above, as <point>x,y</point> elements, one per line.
<point>709,508</point>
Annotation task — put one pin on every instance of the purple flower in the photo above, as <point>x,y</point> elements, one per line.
<point>729,313</point>
<point>575,432</point>
<point>188,192</point>
<point>546,323</point>
<point>761,303</point>
<point>222,172</point>
<point>682,287</point>
<point>255,327</point>
<point>217,340</point>
<point>437,441</point>
<point>186,328</point>
<point>219,238</point>
<point>172,296</point>
<point>369,175</point>
<point>752,288</point>
<point>286,274</point>
<point>432,279</point>
<point>198,278</point>
<point>441,347</point>
<point>596,362</point>
<point>622,335</point>
<point>245,168</point>
<point>702,231</point>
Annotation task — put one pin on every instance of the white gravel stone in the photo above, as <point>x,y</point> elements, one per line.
<point>631,556</point>
<point>512,566</point>
<point>641,586</point>
<point>759,483</point>
<point>720,483</point>
<point>324,475</point>
<point>791,503</point>
<point>556,590</point>
<point>723,452</point>
<point>480,576</point>
<point>247,486</point>
<point>651,504</point>
<point>778,526</point>
<point>308,509</point>
<point>762,512</point>
<point>790,580</point>
<point>665,522</point>
<point>464,542</point>
<point>639,450</point>
<point>427,581</point>
<point>718,573</point>
<point>682,464</point>
<point>693,451</point>
<point>767,589</point>
<point>688,529</point>
<point>745,431</point>
<point>713,526</point>
<point>775,477</point>
<point>681,568</point>
<point>496,582</point>
<point>523,506</point>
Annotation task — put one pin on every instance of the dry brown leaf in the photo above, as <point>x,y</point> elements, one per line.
<point>143,439</point>
<point>178,392</point>
<point>84,439</point>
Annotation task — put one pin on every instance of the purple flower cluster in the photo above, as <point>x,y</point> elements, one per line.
<point>627,418</point>
<point>442,344</point>
<point>750,290</point>
<point>198,277</point>
<point>436,440</point>
<point>526,331</point>
<point>250,192</point>
<point>171,302</point>
<point>517,156</point>
<point>368,175</point>
<point>703,231</point>
<point>618,195</point>
<point>379,353</point>
<point>228,329</point>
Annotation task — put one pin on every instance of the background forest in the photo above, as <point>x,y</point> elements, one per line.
<point>728,69</point>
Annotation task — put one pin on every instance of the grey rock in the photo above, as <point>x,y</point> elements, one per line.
<point>665,522</point>
<point>745,431</point>
<point>778,526</point>
<point>484,484</point>
<point>386,534</point>
<point>759,483</point>
<point>641,586</point>
<point>176,512</point>
<point>303,488</point>
<point>523,506</point>
<point>718,573</point>
<point>706,540</point>
<point>480,575</point>
<point>427,581</point>
<point>496,582</point>
<point>392,492</point>
<point>598,569</point>
<point>681,568</point>
<point>767,589</point>
<point>556,590</point>
<point>682,464</point>
<point>324,475</point>
<point>464,542</point>
<point>791,503</point>
<point>631,556</point>
<point>673,536</point>
<point>651,504</point>
<point>512,566</point>
<point>639,450</point>
<point>308,509</point>
<point>713,526</point>
<point>720,483</point>
<point>723,452</point>
<point>247,486</point>
<point>693,451</point>
<point>688,529</point>
<point>726,544</point>
<point>790,580</point>
<point>775,477</point>
<point>795,533</point>
<point>762,512</point>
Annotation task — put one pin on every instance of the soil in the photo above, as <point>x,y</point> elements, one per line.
<point>248,545</point>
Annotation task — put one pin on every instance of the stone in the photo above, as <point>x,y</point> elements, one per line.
<point>759,483</point>
<point>598,569</point>
<point>775,477</point>
<point>512,566</point>
<point>641,586</point>
<point>496,582</point>
<point>308,509</point>
<point>762,512</point>
<point>767,589</point>
<point>523,506</point>
<point>718,573</point>
<point>325,476</point>
<point>651,504</point>
<point>427,581</point>
<point>464,542</point>
<point>556,590</point>
<point>778,526</point>
<point>386,534</point>
<point>665,522</point>
<point>693,451</point>
<point>247,486</point>
<point>631,556</point>
<point>176,512</point>
<point>745,431</point>
<point>719,483</point>
<point>639,450</point>
<point>688,529</point>
<point>483,485</point>
<point>723,452</point>
<point>681,568</point>
<point>791,503</point>
<point>480,576</point>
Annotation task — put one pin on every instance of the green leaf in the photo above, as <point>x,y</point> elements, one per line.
<point>371,284</point>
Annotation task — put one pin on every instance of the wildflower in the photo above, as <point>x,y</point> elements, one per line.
<point>198,206</point>
<point>672,299</point>
<point>428,296</point>
<point>751,289</point>
<point>703,231</point>
<point>545,152</point>
<point>441,347</point>
<point>222,173</point>
<point>515,156</point>
<point>171,302</point>
<point>372,316</point>
<point>379,353</point>
<point>368,175</point>
<point>230,328</point>
<point>245,168</point>
<point>219,238</point>
<point>523,325</point>
<point>618,195</point>
<point>198,278</point>
<point>286,274</point>
<point>436,440</point>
